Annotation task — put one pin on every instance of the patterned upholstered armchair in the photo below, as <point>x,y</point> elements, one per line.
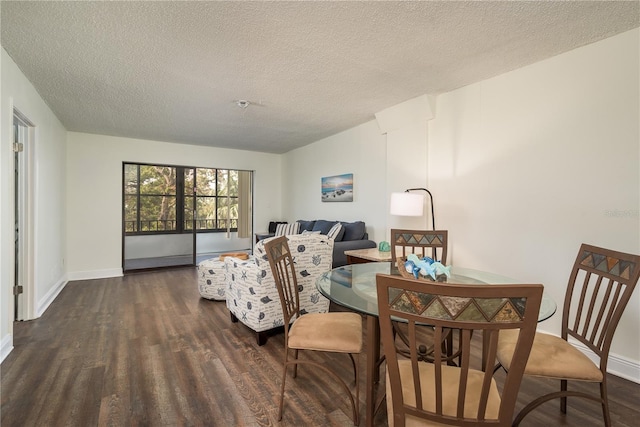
<point>252,296</point>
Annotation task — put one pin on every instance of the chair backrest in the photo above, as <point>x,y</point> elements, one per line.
<point>284,274</point>
<point>437,392</point>
<point>431,243</point>
<point>600,286</point>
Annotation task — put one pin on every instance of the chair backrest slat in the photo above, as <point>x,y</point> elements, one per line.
<point>464,371</point>
<point>463,395</point>
<point>607,302</point>
<point>580,304</point>
<point>607,320</point>
<point>437,355</point>
<point>592,304</point>
<point>488,372</point>
<point>417,385</point>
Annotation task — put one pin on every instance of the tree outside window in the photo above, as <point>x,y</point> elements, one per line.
<point>160,199</point>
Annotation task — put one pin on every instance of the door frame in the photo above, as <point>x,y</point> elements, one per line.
<point>26,211</point>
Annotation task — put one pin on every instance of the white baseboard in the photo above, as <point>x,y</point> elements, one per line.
<point>45,302</point>
<point>94,274</point>
<point>6,345</point>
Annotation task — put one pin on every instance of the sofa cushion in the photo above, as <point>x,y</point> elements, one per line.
<point>323,226</point>
<point>287,229</point>
<point>306,225</point>
<point>353,230</point>
<point>336,232</point>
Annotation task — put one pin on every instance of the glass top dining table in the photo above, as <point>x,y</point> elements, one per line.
<point>354,287</point>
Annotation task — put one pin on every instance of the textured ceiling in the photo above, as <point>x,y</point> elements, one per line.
<point>172,71</point>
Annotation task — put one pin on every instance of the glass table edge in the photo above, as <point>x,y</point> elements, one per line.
<point>548,306</point>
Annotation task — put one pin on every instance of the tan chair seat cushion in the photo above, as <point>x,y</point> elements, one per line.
<point>450,381</point>
<point>550,357</point>
<point>337,332</point>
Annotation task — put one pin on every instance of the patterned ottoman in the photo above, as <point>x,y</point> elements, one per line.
<point>211,275</point>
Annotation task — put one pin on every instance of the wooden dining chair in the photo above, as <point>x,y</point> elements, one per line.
<point>599,288</point>
<point>326,332</point>
<point>421,243</point>
<point>431,243</point>
<point>420,393</point>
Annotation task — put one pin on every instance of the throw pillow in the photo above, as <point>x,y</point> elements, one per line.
<point>323,226</point>
<point>307,232</point>
<point>353,230</point>
<point>306,225</point>
<point>336,232</point>
<point>273,225</point>
<point>287,229</point>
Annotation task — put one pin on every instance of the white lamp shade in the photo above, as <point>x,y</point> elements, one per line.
<point>407,204</point>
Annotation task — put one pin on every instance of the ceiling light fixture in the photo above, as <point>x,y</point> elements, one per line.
<point>242,103</point>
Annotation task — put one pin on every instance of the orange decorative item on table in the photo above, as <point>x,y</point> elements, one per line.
<point>239,255</point>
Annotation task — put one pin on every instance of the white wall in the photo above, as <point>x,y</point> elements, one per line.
<point>528,165</point>
<point>94,196</point>
<point>407,168</point>
<point>48,152</point>
<point>361,151</point>
<point>405,126</point>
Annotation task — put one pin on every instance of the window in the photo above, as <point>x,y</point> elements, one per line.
<point>216,199</point>
<point>162,199</point>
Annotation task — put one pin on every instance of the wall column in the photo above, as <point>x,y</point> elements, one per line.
<point>405,126</point>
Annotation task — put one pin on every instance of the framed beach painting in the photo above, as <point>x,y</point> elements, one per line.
<point>338,188</point>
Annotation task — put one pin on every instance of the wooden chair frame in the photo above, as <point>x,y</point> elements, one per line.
<point>282,267</point>
<point>419,242</point>
<point>449,306</point>
<point>600,286</point>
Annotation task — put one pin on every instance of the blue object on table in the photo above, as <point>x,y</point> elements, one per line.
<point>425,267</point>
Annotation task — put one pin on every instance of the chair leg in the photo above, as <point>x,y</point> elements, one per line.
<point>355,367</point>
<point>356,415</point>
<point>556,395</point>
<point>605,403</point>
<point>284,379</point>
<point>234,319</point>
<point>295,366</point>
<point>563,399</point>
<point>354,402</point>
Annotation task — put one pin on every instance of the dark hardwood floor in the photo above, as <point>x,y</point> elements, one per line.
<point>145,350</point>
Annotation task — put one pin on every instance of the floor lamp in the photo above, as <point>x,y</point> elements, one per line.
<point>411,204</point>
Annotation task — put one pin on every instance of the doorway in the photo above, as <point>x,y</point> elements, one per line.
<point>23,218</point>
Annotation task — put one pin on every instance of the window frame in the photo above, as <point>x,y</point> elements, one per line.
<point>181,200</point>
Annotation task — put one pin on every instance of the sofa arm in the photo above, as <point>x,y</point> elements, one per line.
<point>252,295</point>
